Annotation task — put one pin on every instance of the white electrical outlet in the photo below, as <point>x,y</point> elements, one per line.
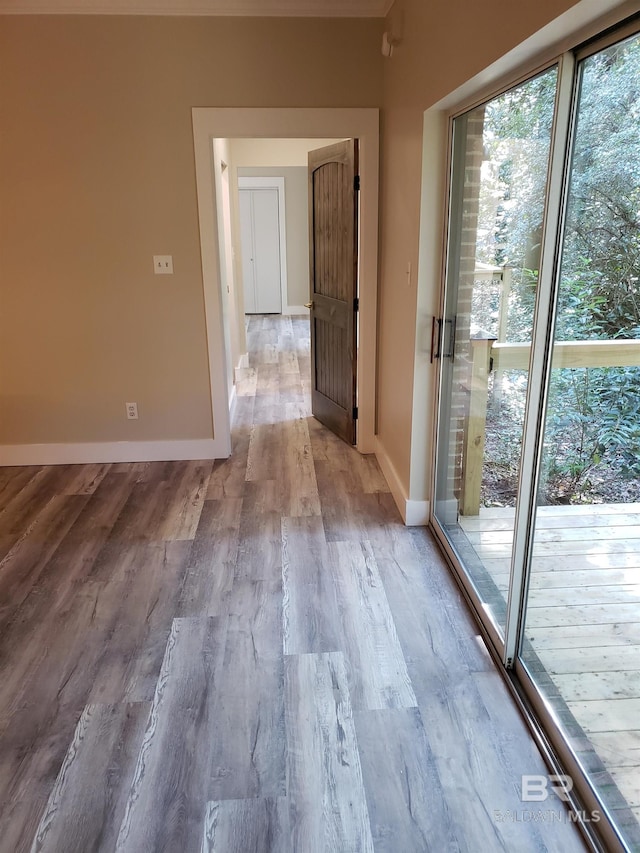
<point>132,411</point>
<point>163,264</point>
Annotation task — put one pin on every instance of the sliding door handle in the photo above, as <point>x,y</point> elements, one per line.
<point>439,329</point>
<point>436,338</point>
<point>452,339</point>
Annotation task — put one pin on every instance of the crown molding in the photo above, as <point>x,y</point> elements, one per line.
<point>222,8</point>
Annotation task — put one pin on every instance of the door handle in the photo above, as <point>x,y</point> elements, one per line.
<point>452,339</point>
<point>308,304</point>
<point>436,338</point>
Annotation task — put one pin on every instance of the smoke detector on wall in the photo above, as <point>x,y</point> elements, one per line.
<point>389,41</point>
<point>394,31</point>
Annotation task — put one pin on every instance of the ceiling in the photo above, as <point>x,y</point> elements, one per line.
<point>256,8</point>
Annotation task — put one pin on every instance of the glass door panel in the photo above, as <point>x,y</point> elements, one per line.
<point>581,640</point>
<point>499,175</point>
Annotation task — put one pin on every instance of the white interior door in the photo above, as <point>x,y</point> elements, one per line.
<point>260,238</point>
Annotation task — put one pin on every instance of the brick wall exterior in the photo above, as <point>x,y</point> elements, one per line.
<point>467,263</point>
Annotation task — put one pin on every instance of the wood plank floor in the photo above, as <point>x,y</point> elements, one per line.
<point>247,655</point>
<point>583,619</point>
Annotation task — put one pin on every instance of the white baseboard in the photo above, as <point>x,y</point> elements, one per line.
<point>111,451</point>
<point>414,513</point>
<point>417,513</point>
<point>233,400</point>
<point>243,361</point>
<point>295,309</point>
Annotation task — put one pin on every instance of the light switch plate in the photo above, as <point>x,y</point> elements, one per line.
<point>163,264</point>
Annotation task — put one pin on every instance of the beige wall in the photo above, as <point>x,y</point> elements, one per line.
<point>97,175</point>
<point>442,45</point>
<point>276,152</point>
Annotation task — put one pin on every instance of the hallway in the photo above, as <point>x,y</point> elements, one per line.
<point>248,655</point>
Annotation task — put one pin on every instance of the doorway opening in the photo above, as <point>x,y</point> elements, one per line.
<point>214,126</point>
<point>295,252</point>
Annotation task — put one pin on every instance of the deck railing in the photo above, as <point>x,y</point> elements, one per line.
<point>487,355</point>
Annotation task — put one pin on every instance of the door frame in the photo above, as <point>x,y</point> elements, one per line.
<point>210,123</point>
<point>274,184</point>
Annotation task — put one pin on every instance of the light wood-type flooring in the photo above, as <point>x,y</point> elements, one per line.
<point>247,655</point>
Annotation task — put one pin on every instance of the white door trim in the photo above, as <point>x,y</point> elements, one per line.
<point>274,184</point>
<point>210,123</point>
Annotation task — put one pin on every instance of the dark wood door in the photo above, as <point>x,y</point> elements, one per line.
<point>333,260</point>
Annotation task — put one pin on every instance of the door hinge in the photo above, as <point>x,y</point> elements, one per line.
<point>355,413</point>
<point>356,183</point>
<point>356,304</point>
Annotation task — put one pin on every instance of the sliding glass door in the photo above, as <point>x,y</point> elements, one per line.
<point>537,492</point>
<point>581,644</point>
<point>497,205</point>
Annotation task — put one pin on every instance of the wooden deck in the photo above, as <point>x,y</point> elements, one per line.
<point>583,620</point>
